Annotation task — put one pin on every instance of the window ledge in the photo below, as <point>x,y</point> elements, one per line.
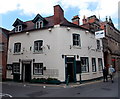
<point>100,72</point>
<point>17,53</point>
<point>85,73</point>
<point>94,72</point>
<point>98,50</point>
<point>41,52</point>
<point>38,74</point>
<point>77,47</point>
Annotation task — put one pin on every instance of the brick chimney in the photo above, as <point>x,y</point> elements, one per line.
<point>84,20</point>
<point>75,20</point>
<point>58,14</point>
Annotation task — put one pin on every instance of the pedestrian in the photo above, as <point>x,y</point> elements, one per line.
<point>111,72</point>
<point>105,73</point>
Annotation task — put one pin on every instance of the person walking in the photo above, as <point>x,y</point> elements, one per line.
<point>111,71</point>
<point>105,73</point>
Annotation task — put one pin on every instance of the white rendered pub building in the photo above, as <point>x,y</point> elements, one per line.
<point>53,47</point>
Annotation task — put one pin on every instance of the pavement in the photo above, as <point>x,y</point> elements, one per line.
<point>70,85</point>
<point>86,89</point>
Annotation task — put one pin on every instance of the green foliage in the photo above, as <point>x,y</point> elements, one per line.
<point>43,80</point>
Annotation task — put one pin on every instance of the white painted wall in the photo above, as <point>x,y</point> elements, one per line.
<point>60,40</point>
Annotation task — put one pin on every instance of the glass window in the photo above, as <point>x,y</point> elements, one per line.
<point>18,28</point>
<point>1,47</point>
<point>93,65</point>
<point>38,68</point>
<point>16,68</point>
<point>98,44</point>
<point>84,64</point>
<point>76,40</point>
<point>17,47</point>
<point>39,24</point>
<point>38,46</point>
<point>100,64</point>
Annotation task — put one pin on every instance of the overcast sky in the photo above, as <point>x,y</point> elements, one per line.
<point>27,9</point>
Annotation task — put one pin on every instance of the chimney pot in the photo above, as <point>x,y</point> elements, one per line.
<point>75,20</point>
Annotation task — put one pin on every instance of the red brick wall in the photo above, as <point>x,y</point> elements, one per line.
<point>3,55</point>
<point>58,14</point>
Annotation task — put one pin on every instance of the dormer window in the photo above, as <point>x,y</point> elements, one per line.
<point>39,24</point>
<point>18,28</point>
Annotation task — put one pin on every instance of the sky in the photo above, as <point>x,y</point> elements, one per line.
<point>26,10</point>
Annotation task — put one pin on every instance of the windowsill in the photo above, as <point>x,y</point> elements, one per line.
<point>85,73</point>
<point>38,74</point>
<point>17,53</point>
<point>100,71</point>
<point>77,47</point>
<point>94,72</point>
<point>41,52</point>
<point>98,50</point>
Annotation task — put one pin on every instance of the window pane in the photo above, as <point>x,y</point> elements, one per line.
<point>38,68</point>
<point>17,47</point>
<point>84,64</point>
<point>93,65</point>
<point>16,68</point>
<point>100,64</point>
<point>38,45</point>
<point>76,39</point>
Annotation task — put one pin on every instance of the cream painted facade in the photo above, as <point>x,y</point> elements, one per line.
<point>57,45</point>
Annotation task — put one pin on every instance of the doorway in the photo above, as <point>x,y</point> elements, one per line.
<point>70,69</point>
<point>26,71</point>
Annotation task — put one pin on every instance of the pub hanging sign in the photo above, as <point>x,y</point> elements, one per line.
<point>9,66</point>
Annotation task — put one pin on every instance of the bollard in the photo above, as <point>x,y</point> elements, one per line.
<point>80,79</point>
<point>67,82</point>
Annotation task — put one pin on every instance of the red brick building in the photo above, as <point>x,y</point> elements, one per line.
<point>3,51</point>
<point>111,41</point>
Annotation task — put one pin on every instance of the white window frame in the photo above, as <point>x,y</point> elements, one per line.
<point>38,68</point>
<point>38,46</point>
<point>18,28</point>
<point>85,65</point>
<point>39,24</point>
<point>76,40</point>
<point>18,49</point>
<point>100,64</point>
<point>98,45</point>
<point>16,68</point>
<point>93,64</point>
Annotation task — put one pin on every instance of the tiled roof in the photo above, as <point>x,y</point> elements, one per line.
<point>30,26</point>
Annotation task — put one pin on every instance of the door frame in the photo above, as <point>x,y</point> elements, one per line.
<point>23,69</point>
<point>74,66</point>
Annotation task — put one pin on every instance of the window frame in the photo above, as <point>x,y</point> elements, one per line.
<point>16,68</point>
<point>18,28</point>
<point>38,46</point>
<point>100,64</point>
<point>18,49</point>
<point>76,40</point>
<point>38,69</point>
<point>39,24</point>
<point>86,65</point>
<point>98,44</point>
<point>93,64</point>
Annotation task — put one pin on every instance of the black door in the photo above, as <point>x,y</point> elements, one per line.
<point>26,72</point>
<point>70,69</point>
<point>70,72</point>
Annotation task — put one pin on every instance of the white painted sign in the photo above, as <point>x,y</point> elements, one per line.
<point>99,34</point>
